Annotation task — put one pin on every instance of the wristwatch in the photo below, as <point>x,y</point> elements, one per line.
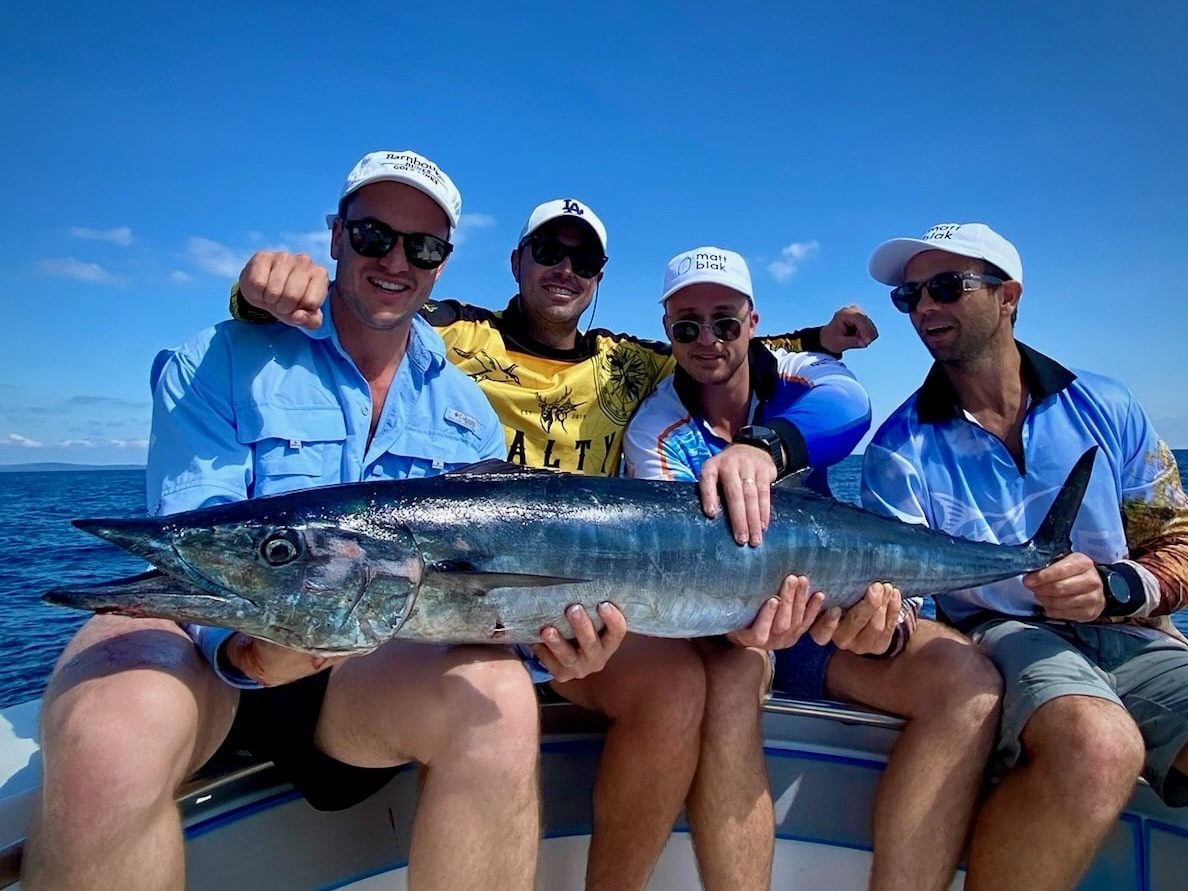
<point>1123,590</point>
<point>766,439</point>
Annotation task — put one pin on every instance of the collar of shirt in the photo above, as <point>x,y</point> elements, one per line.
<point>937,400</point>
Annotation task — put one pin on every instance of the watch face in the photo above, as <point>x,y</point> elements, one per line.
<point>1119,588</point>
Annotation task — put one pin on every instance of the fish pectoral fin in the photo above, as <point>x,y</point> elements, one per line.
<point>795,480</point>
<point>455,577</point>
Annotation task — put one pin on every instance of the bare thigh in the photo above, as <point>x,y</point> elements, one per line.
<point>410,701</point>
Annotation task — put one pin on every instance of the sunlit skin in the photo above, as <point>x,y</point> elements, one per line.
<point>384,293</point>
<point>553,298</point>
<point>707,360</point>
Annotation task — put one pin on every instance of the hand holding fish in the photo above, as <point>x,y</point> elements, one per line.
<point>569,663</point>
<point>1068,589</point>
<point>271,664</point>
<point>784,619</point>
<point>866,628</point>
<point>745,475</point>
<point>850,328</point>
<point>291,287</point>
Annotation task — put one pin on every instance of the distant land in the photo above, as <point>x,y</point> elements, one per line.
<point>59,467</point>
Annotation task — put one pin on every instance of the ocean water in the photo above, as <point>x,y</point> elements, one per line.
<point>39,550</point>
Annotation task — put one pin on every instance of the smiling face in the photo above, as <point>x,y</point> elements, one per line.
<point>708,360</point>
<point>977,323</point>
<point>384,293</point>
<point>555,296</point>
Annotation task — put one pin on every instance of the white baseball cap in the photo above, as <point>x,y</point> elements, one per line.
<point>975,240</point>
<point>569,208</point>
<point>404,167</point>
<point>713,265</point>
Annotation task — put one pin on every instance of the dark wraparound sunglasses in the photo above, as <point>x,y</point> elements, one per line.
<point>726,328</point>
<point>585,261</point>
<point>944,287</point>
<point>371,238</point>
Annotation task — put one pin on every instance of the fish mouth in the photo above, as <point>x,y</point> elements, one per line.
<point>152,594</point>
<point>152,540</point>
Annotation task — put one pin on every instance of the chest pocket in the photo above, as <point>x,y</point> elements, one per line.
<point>293,448</point>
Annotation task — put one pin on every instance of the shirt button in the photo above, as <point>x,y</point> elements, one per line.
<point>365,410</point>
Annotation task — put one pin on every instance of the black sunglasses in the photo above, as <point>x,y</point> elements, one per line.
<point>371,238</point>
<point>725,328</point>
<point>944,287</point>
<point>586,262</point>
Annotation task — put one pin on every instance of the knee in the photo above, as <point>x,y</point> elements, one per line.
<point>666,688</point>
<point>122,744</point>
<point>506,727</point>
<point>735,679</point>
<point>958,680</point>
<point>1088,740</point>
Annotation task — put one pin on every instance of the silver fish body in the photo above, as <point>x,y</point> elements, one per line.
<point>493,556</point>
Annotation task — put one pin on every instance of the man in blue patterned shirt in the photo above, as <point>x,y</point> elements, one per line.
<point>1096,676</point>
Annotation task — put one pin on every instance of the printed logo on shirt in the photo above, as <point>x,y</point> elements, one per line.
<point>462,419</point>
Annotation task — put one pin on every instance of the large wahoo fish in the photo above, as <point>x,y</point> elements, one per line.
<point>489,555</point>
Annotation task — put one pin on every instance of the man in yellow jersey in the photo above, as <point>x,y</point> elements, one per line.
<point>564,398</point>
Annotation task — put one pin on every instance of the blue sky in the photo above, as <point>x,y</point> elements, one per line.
<point>149,150</point>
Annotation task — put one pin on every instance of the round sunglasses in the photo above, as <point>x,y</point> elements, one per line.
<point>944,287</point>
<point>371,238</point>
<point>724,328</point>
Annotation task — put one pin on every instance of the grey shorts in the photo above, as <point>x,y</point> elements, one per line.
<point>1042,660</point>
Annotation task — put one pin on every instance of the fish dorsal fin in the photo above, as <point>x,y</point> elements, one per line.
<point>499,467</point>
<point>796,480</point>
<point>460,577</point>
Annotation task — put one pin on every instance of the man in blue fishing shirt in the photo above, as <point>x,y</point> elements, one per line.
<point>137,705</point>
<point>736,410</point>
<point>1096,676</point>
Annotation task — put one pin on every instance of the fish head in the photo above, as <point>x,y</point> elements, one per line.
<point>304,578</point>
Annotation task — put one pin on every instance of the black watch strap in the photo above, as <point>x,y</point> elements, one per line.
<point>1123,588</point>
<point>766,439</point>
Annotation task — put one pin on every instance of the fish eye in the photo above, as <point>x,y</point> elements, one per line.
<point>281,547</point>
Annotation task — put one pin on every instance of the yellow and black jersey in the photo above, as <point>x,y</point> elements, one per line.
<point>564,409</point>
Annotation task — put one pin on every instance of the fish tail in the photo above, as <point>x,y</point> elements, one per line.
<point>1054,538</point>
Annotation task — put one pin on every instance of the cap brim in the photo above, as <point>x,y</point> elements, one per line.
<point>528,233</point>
<point>890,258</point>
<point>684,285</point>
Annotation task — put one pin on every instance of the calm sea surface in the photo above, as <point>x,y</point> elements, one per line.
<point>39,549</point>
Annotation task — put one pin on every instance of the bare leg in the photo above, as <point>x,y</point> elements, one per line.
<point>469,715</point>
<point>1041,827</point>
<point>131,710</point>
<point>950,695</point>
<point>730,809</point>
<point>653,691</point>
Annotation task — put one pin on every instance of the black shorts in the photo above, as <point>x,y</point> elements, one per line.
<point>279,723</point>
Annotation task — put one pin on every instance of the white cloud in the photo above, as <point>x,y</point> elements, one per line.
<point>121,235</point>
<point>80,443</point>
<point>130,443</point>
<point>316,243</point>
<point>468,222</point>
<point>80,271</point>
<point>215,258</point>
<point>790,259</point>
<point>24,442</point>
<point>181,278</point>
